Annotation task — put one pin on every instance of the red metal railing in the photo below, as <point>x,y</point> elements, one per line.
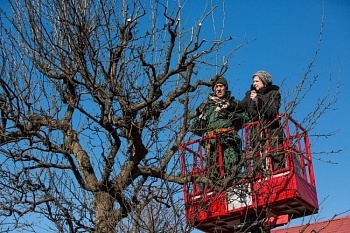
<point>295,146</point>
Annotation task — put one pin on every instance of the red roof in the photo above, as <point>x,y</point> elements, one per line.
<point>338,225</point>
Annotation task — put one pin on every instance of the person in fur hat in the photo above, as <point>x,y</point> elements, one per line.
<point>262,103</point>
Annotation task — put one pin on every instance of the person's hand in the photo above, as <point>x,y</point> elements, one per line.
<point>254,95</point>
<point>203,116</point>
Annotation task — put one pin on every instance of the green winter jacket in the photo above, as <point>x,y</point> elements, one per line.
<point>218,113</point>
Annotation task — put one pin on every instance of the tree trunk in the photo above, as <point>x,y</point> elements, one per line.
<point>105,222</point>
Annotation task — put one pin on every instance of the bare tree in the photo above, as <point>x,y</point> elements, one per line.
<point>96,97</point>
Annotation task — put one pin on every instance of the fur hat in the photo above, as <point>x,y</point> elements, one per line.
<point>221,80</point>
<point>264,76</point>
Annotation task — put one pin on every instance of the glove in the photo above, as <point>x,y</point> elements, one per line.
<point>201,112</point>
<point>202,116</point>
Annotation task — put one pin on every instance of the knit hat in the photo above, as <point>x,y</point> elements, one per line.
<point>221,80</point>
<point>264,76</point>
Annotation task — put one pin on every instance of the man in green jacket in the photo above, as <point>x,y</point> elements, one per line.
<point>217,116</point>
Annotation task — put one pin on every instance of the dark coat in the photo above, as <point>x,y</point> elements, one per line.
<point>267,106</point>
<point>265,111</point>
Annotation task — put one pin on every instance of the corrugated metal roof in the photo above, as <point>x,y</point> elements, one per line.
<point>337,225</point>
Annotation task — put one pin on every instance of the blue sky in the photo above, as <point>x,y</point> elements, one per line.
<point>286,36</point>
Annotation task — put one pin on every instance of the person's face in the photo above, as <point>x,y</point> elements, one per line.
<point>220,90</point>
<point>257,83</point>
